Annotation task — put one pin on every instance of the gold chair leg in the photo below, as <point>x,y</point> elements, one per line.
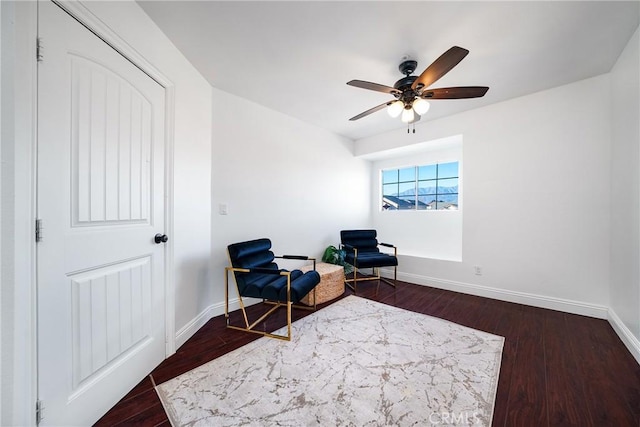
<point>352,283</point>
<point>388,282</point>
<point>355,280</point>
<point>249,327</point>
<point>264,316</point>
<point>226,305</point>
<point>346,281</point>
<point>289,320</point>
<point>226,295</point>
<point>375,275</point>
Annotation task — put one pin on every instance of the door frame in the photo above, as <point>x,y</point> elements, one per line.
<point>24,404</point>
<point>85,17</point>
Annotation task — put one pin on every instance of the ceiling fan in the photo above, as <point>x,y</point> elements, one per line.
<point>411,92</point>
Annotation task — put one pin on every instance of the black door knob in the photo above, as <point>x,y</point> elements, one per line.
<point>161,238</point>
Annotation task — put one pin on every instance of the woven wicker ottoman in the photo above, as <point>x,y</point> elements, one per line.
<point>331,283</point>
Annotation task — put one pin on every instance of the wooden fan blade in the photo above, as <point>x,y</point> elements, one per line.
<point>370,110</point>
<point>460,92</point>
<point>440,67</point>
<point>373,86</point>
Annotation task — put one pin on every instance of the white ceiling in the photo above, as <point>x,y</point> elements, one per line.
<point>296,57</point>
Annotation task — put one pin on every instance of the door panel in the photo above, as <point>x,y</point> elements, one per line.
<point>111,316</point>
<point>111,145</point>
<point>101,301</point>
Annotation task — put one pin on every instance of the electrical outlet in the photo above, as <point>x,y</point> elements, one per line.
<point>478,270</point>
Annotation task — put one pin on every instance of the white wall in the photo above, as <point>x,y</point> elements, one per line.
<point>625,188</point>
<point>536,198</point>
<point>280,178</point>
<point>426,234</point>
<point>191,186</point>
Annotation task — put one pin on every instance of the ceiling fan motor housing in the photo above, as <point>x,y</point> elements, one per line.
<point>405,83</point>
<point>408,66</point>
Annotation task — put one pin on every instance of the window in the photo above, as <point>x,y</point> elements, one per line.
<point>428,187</point>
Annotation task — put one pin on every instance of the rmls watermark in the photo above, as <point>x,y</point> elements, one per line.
<point>466,418</point>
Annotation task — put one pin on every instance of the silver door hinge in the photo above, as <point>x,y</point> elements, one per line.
<point>39,411</point>
<point>38,230</point>
<point>39,50</point>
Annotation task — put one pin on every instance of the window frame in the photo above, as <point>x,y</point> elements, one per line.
<point>415,197</point>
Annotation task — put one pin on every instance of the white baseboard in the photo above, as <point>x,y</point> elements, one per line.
<point>629,340</point>
<point>198,322</point>
<point>207,314</point>
<point>568,306</point>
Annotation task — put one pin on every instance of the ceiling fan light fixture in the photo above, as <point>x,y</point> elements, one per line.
<point>395,108</point>
<point>421,106</point>
<point>408,115</point>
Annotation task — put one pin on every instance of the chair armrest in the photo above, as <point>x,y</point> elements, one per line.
<point>299,257</point>
<point>389,245</point>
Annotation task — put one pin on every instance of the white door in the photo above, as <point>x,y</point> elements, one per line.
<point>101,285</point>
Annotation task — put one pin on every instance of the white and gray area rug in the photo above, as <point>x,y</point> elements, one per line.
<point>354,363</point>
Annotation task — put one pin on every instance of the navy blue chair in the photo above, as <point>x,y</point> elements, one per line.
<point>362,251</point>
<point>257,276</point>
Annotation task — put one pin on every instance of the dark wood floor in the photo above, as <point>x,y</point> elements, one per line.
<point>557,369</point>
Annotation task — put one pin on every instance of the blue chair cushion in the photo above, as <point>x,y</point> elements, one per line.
<point>301,286</point>
<point>370,260</point>
<point>257,254</point>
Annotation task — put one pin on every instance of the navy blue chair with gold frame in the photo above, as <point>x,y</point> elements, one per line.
<point>362,252</point>
<point>258,276</point>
